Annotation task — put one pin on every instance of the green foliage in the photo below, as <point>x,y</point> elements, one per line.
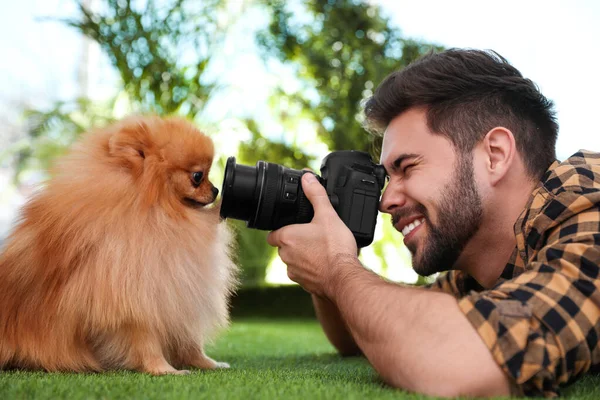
<point>254,253</point>
<point>144,42</point>
<point>340,50</point>
<point>262,148</point>
<point>160,51</point>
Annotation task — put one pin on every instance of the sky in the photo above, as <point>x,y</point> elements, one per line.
<point>554,43</point>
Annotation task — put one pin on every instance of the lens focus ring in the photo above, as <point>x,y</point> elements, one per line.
<point>268,196</point>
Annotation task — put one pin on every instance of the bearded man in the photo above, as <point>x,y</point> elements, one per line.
<point>476,190</point>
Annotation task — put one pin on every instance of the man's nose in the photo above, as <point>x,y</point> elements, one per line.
<point>392,198</point>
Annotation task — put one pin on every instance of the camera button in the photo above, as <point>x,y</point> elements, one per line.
<point>289,196</point>
<point>292,179</point>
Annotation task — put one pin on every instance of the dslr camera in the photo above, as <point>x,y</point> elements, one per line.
<point>269,196</point>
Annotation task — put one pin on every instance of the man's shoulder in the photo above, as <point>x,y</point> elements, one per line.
<point>579,173</point>
<point>567,189</point>
<point>567,199</point>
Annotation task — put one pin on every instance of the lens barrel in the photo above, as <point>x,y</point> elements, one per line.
<point>267,196</point>
<point>238,190</point>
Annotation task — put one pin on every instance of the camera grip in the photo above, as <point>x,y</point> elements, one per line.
<point>362,215</point>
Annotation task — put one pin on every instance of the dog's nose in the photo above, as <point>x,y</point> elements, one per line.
<point>215,191</point>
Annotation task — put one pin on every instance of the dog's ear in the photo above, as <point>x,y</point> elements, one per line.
<point>130,143</point>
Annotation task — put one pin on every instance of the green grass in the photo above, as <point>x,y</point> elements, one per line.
<point>270,359</point>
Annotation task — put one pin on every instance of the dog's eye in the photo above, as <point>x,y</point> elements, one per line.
<point>197,177</point>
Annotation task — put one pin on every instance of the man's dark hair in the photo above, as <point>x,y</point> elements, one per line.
<point>466,93</point>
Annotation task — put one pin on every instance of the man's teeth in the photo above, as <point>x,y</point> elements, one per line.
<point>409,228</point>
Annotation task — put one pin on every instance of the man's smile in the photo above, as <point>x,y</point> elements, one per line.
<point>409,226</point>
<point>407,229</point>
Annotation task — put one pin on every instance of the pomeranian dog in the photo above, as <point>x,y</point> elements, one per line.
<point>116,263</point>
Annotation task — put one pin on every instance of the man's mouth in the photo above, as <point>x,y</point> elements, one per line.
<point>407,229</point>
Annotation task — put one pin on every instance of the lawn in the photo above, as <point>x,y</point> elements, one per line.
<point>270,359</point>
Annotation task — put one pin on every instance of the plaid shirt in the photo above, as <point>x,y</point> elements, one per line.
<point>541,321</point>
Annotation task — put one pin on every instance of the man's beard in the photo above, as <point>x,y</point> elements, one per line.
<point>459,216</point>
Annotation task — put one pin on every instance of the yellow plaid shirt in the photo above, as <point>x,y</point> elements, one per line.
<point>541,321</point>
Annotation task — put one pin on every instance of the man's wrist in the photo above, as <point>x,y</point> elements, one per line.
<point>345,267</point>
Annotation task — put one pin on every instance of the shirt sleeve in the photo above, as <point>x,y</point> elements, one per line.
<point>542,327</point>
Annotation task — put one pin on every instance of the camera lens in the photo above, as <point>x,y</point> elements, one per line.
<point>267,196</point>
<point>238,190</point>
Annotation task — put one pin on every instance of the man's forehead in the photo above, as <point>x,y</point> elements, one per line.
<point>400,139</point>
<point>409,135</point>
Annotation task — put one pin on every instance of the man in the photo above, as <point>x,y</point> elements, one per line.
<point>475,189</point>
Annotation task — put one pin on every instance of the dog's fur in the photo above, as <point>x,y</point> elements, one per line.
<point>116,263</point>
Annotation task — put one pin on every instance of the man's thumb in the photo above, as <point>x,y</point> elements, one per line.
<point>315,192</point>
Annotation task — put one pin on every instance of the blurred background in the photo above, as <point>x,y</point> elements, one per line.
<point>281,81</point>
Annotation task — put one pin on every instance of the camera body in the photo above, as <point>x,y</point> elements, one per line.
<point>270,195</point>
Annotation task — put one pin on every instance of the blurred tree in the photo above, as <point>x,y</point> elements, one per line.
<point>160,49</point>
<point>50,132</point>
<point>340,50</point>
<point>144,41</point>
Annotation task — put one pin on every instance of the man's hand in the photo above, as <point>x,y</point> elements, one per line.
<point>312,251</point>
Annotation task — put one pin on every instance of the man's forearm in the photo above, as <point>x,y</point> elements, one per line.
<point>416,339</point>
<point>334,326</point>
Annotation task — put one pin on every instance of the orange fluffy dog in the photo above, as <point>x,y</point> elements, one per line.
<point>116,263</point>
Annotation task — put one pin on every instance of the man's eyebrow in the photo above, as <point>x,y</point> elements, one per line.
<point>396,163</point>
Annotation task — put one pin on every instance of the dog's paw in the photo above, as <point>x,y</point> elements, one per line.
<point>168,371</point>
<point>179,372</point>
<point>220,364</point>
<point>171,372</point>
<point>205,362</point>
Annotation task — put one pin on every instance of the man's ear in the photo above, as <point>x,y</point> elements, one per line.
<point>500,151</point>
<point>129,143</point>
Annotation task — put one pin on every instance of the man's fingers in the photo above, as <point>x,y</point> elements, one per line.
<point>283,236</point>
<point>315,193</point>
<point>273,238</point>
